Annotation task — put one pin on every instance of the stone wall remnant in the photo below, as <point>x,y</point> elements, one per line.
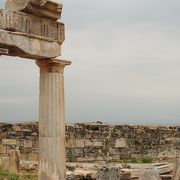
<point>87,142</point>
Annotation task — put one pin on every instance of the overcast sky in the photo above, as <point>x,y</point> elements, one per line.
<point>125,65</point>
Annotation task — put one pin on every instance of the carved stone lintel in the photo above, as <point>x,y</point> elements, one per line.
<point>28,46</point>
<point>52,65</point>
<point>41,8</point>
<point>30,24</point>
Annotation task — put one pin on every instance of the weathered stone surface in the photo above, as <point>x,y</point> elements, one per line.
<point>32,25</point>
<point>14,161</point>
<point>3,149</point>
<point>176,173</point>
<point>120,143</point>
<point>25,136</point>
<point>43,8</point>
<point>108,173</point>
<point>52,120</point>
<point>80,143</point>
<point>28,46</point>
<point>149,174</point>
<point>9,141</point>
<point>5,163</point>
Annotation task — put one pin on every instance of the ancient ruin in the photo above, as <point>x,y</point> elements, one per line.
<point>90,146</point>
<point>31,29</point>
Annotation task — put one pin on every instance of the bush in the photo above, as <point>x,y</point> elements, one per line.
<point>147,160</point>
<point>134,160</point>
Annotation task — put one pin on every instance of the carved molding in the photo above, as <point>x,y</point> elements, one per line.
<point>52,65</point>
<point>30,24</point>
<point>41,8</point>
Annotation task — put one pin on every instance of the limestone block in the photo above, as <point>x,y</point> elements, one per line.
<point>3,149</point>
<point>14,161</point>
<point>79,143</point>
<point>30,24</point>
<point>16,128</point>
<point>108,173</point>
<point>97,143</point>
<point>33,157</point>
<point>5,162</point>
<point>34,134</point>
<point>43,8</point>
<point>9,141</point>
<point>176,173</point>
<point>120,143</point>
<point>27,143</point>
<point>88,143</point>
<point>149,174</point>
<point>29,46</point>
<point>71,143</point>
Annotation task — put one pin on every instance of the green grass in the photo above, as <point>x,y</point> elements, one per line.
<point>143,160</point>
<point>6,175</point>
<point>147,160</point>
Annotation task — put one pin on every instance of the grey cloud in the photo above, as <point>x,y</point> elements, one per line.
<point>125,66</point>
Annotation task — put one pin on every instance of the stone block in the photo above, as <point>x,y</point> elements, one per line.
<point>3,149</point>
<point>70,142</point>
<point>79,143</point>
<point>176,173</point>
<point>108,173</point>
<point>97,143</point>
<point>88,143</point>
<point>16,128</point>
<point>5,162</point>
<point>14,161</point>
<point>150,174</point>
<point>27,143</point>
<point>33,157</point>
<point>120,143</point>
<point>9,141</point>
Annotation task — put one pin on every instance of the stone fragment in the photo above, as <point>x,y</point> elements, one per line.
<point>27,143</point>
<point>14,161</point>
<point>29,46</point>
<point>2,149</point>
<point>16,128</point>
<point>9,141</point>
<point>108,173</point>
<point>88,143</point>
<point>79,143</point>
<point>176,174</point>
<point>42,8</point>
<point>149,174</point>
<point>5,163</point>
<point>97,143</point>
<point>32,25</point>
<point>120,143</point>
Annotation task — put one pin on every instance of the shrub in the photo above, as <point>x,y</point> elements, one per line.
<point>147,160</point>
<point>134,160</point>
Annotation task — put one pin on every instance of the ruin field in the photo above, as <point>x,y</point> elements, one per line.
<point>90,146</point>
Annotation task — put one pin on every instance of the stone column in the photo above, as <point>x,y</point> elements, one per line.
<point>52,120</point>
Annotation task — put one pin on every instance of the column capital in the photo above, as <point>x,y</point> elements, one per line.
<point>52,65</point>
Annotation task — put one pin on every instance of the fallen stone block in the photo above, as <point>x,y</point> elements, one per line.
<point>149,174</point>
<point>176,174</point>
<point>108,173</point>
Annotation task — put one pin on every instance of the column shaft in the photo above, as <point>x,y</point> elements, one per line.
<point>51,121</point>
